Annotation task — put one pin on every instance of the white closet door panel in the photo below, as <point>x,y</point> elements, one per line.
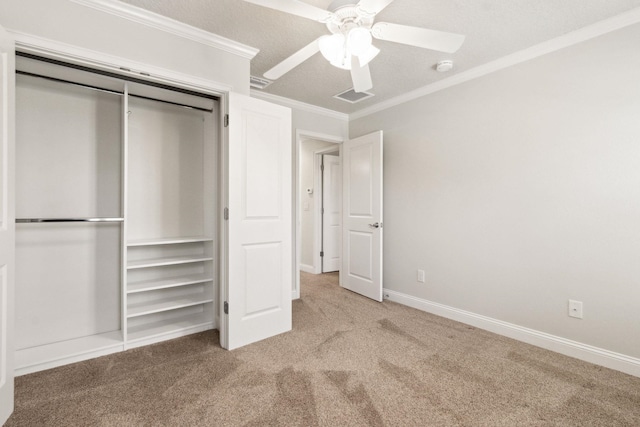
<point>68,152</point>
<point>165,177</point>
<point>259,234</point>
<point>69,282</point>
<point>7,227</point>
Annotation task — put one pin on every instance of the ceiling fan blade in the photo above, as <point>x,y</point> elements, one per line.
<point>420,37</point>
<point>296,7</point>
<point>371,7</point>
<point>361,76</point>
<point>293,61</point>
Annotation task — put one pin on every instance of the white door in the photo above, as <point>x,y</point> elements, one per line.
<point>260,251</point>
<point>7,221</point>
<point>362,216</point>
<point>332,214</point>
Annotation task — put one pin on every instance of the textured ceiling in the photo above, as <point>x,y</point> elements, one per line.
<point>493,29</point>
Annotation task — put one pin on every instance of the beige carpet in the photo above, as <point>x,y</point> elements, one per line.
<point>348,362</point>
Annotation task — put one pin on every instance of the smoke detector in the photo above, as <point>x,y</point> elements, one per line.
<point>444,66</point>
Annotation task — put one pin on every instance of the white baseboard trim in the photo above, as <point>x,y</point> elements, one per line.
<point>599,356</point>
<point>43,362</point>
<point>307,268</point>
<point>169,336</point>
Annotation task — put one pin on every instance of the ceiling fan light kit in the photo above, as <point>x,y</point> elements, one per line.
<point>358,41</point>
<point>338,49</point>
<point>350,46</point>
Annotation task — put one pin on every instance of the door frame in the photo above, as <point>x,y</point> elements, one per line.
<point>318,194</point>
<point>300,136</point>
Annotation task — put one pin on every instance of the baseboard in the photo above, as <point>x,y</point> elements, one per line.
<point>66,361</point>
<point>56,354</point>
<point>53,355</point>
<point>609,359</point>
<point>307,268</point>
<point>169,336</point>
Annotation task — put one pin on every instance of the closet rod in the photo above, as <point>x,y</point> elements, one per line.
<point>40,220</point>
<point>25,73</point>
<point>191,107</point>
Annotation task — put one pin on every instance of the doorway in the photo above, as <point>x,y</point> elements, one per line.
<point>311,151</point>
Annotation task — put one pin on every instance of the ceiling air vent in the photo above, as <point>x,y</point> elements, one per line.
<point>259,83</point>
<point>352,96</point>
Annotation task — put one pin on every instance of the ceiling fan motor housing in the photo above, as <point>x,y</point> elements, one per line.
<point>347,16</point>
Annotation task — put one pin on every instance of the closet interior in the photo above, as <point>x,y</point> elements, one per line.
<point>116,201</point>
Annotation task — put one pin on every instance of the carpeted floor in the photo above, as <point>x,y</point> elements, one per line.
<point>349,361</point>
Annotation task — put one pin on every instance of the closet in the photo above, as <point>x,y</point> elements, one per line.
<point>116,200</point>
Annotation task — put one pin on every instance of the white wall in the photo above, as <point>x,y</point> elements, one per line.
<point>315,122</point>
<point>520,190</point>
<point>71,23</point>
<point>310,119</point>
<point>308,201</point>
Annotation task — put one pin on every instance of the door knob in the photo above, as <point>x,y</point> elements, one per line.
<point>375,225</point>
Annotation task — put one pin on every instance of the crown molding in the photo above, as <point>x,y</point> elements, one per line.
<point>162,23</point>
<point>298,105</point>
<point>591,31</point>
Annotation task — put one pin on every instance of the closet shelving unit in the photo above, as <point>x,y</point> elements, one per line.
<point>181,283</point>
<point>169,280</point>
<point>105,181</point>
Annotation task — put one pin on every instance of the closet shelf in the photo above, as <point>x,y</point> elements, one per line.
<point>168,326</point>
<point>168,241</point>
<point>157,306</point>
<point>170,282</point>
<point>158,262</point>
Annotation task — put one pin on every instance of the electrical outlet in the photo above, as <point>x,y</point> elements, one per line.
<point>421,276</point>
<point>575,309</point>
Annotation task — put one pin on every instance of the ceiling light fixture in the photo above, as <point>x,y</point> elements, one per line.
<point>352,28</point>
<point>338,48</point>
<point>358,40</point>
<point>333,48</point>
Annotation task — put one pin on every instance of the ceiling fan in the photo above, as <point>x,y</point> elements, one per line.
<point>352,28</point>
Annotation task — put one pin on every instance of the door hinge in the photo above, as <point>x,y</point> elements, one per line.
<point>226,120</point>
<point>226,213</point>
<point>322,167</point>
<point>321,253</point>
<point>226,307</point>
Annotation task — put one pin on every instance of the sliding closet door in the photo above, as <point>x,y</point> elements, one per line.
<point>68,166</point>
